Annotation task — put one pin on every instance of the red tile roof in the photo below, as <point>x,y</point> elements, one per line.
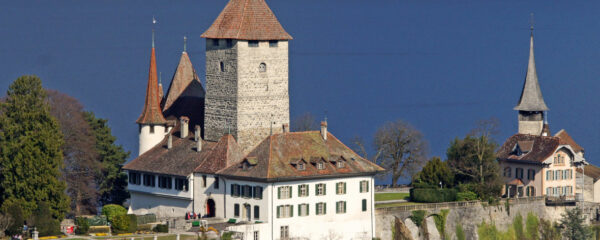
<point>224,154</point>
<point>516,181</point>
<point>542,148</point>
<point>566,139</point>
<point>152,114</point>
<point>247,20</point>
<point>276,157</point>
<point>591,171</point>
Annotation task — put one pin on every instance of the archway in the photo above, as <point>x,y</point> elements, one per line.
<point>210,208</point>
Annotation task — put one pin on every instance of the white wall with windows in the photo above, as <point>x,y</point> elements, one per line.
<point>208,195</point>
<point>160,184</point>
<point>247,201</point>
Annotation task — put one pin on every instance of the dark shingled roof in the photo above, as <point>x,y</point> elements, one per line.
<point>224,154</point>
<point>152,114</point>
<point>531,96</point>
<point>183,77</point>
<point>591,171</point>
<point>542,148</point>
<point>566,139</point>
<point>247,20</point>
<point>275,158</point>
<point>180,160</point>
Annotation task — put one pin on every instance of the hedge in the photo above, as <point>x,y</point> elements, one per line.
<point>161,228</point>
<point>82,225</point>
<point>432,195</point>
<point>132,223</point>
<point>145,219</point>
<point>99,229</point>
<point>112,210</point>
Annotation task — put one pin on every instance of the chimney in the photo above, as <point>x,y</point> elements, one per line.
<point>198,138</point>
<point>324,130</point>
<point>546,130</point>
<point>184,126</point>
<point>170,142</point>
<point>197,132</point>
<point>286,128</point>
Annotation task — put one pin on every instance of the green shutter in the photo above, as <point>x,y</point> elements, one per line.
<point>344,206</point>
<point>367,185</point>
<point>278,212</point>
<point>317,209</point>
<point>279,193</point>
<point>364,205</point>
<point>324,208</point>
<point>299,187</point>
<point>324,189</point>
<point>360,186</point>
<point>344,188</point>
<point>307,192</point>
<point>290,192</point>
<point>337,188</point>
<point>307,210</point>
<point>316,189</point>
<point>291,210</point>
<point>299,213</point>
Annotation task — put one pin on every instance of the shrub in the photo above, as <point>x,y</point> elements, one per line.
<point>518,226</point>
<point>161,228</point>
<point>144,227</point>
<point>549,230</point>
<point>418,217</point>
<point>99,229</point>
<point>466,196</point>
<point>460,233</point>
<point>432,195</point>
<point>82,226</point>
<point>43,220</point>
<point>132,223</point>
<point>112,210</point>
<point>148,218</point>
<point>15,210</point>
<point>532,225</point>
<point>120,223</point>
<point>98,221</point>
<point>227,236</point>
<point>440,222</point>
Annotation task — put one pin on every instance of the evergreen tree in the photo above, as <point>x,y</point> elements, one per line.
<point>573,222</point>
<point>112,181</point>
<point>434,172</point>
<point>30,150</point>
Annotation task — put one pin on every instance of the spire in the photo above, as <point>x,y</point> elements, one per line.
<point>152,113</point>
<point>531,96</point>
<point>184,76</point>
<point>247,20</point>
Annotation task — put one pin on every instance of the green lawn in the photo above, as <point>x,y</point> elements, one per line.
<point>391,196</point>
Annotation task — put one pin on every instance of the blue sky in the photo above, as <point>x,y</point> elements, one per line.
<point>439,65</point>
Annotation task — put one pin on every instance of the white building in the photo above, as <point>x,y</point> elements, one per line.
<point>227,153</point>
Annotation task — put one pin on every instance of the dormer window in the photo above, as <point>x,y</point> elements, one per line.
<point>301,167</point>
<point>320,165</point>
<point>249,163</point>
<point>340,164</point>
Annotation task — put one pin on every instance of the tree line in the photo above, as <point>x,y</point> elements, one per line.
<point>56,159</point>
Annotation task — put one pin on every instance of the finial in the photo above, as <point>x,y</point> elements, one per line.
<point>160,78</point>
<point>325,115</point>
<point>184,43</point>
<point>153,24</point>
<point>531,23</point>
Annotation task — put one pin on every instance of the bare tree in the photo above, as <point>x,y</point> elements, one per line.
<point>304,122</point>
<point>400,149</point>
<point>5,222</point>
<point>80,156</point>
<point>483,132</point>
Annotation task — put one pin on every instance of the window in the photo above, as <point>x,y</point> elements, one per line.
<point>247,191</point>
<point>273,43</point>
<point>557,175</point>
<point>507,171</point>
<point>559,190</point>
<point>320,189</point>
<point>530,191</point>
<point>255,235</point>
<point>301,166</point>
<point>181,184</point>
<point>285,232</point>
<point>321,208</point>
<point>236,210</point>
<point>303,210</point>
<point>235,190</point>
<point>364,205</point>
<point>364,186</point>
<point>262,67</point>
<point>151,128</point>
<point>303,190</point>
<point>340,188</point>
<point>215,42</point>
<point>256,212</point>
<point>258,192</point>
<point>320,165</point>
<point>149,180</point>
<point>519,173</point>
<point>222,66</point>
<point>164,182</point>
<point>549,175</point>
<point>204,181</point>
<point>229,43</point>
<point>530,174</point>
<point>134,178</point>
<point>285,211</point>
<point>340,207</point>
<point>216,184</point>
<point>340,164</point>
<point>284,192</point>
<point>252,43</point>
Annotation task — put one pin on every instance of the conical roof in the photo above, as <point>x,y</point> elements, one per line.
<point>184,76</point>
<point>247,20</point>
<point>152,113</point>
<point>531,96</point>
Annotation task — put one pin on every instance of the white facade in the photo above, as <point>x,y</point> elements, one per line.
<point>162,201</point>
<point>354,223</point>
<point>150,135</point>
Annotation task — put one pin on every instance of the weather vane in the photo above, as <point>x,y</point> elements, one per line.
<point>531,22</point>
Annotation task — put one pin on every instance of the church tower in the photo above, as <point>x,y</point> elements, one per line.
<point>531,105</point>
<point>152,123</point>
<point>246,74</point>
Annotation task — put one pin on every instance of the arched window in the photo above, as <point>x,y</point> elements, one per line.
<point>262,67</point>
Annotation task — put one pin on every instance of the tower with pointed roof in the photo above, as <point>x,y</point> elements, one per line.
<point>152,123</point>
<point>531,105</point>
<point>246,74</point>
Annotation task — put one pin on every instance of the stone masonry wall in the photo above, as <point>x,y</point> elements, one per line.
<point>221,89</point>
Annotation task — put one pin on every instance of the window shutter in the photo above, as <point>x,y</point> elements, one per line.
<point>337,188</point>
<point>307,192</point>
<point>231,190</point>
<point>307,205</point>
<point>290,192</point>
<point>367,185</point>
<point>344,188</point>
<point>317,190</point>
<point>344,206</point>
<point>317,209</point>
<point>361,186</point>
<point>324,189</point>
<point>364,205</point>
<point>324,208</point>
<point>279,193</point>
<point>299,210</point>
<point>291,210</point>
<point>299,187</point>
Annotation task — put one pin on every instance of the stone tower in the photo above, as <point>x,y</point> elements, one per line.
<point>246,74</point>
<point>152,123</point>
<point>531,105</point>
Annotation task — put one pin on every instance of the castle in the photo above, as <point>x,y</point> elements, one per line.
<point>226,153</point>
